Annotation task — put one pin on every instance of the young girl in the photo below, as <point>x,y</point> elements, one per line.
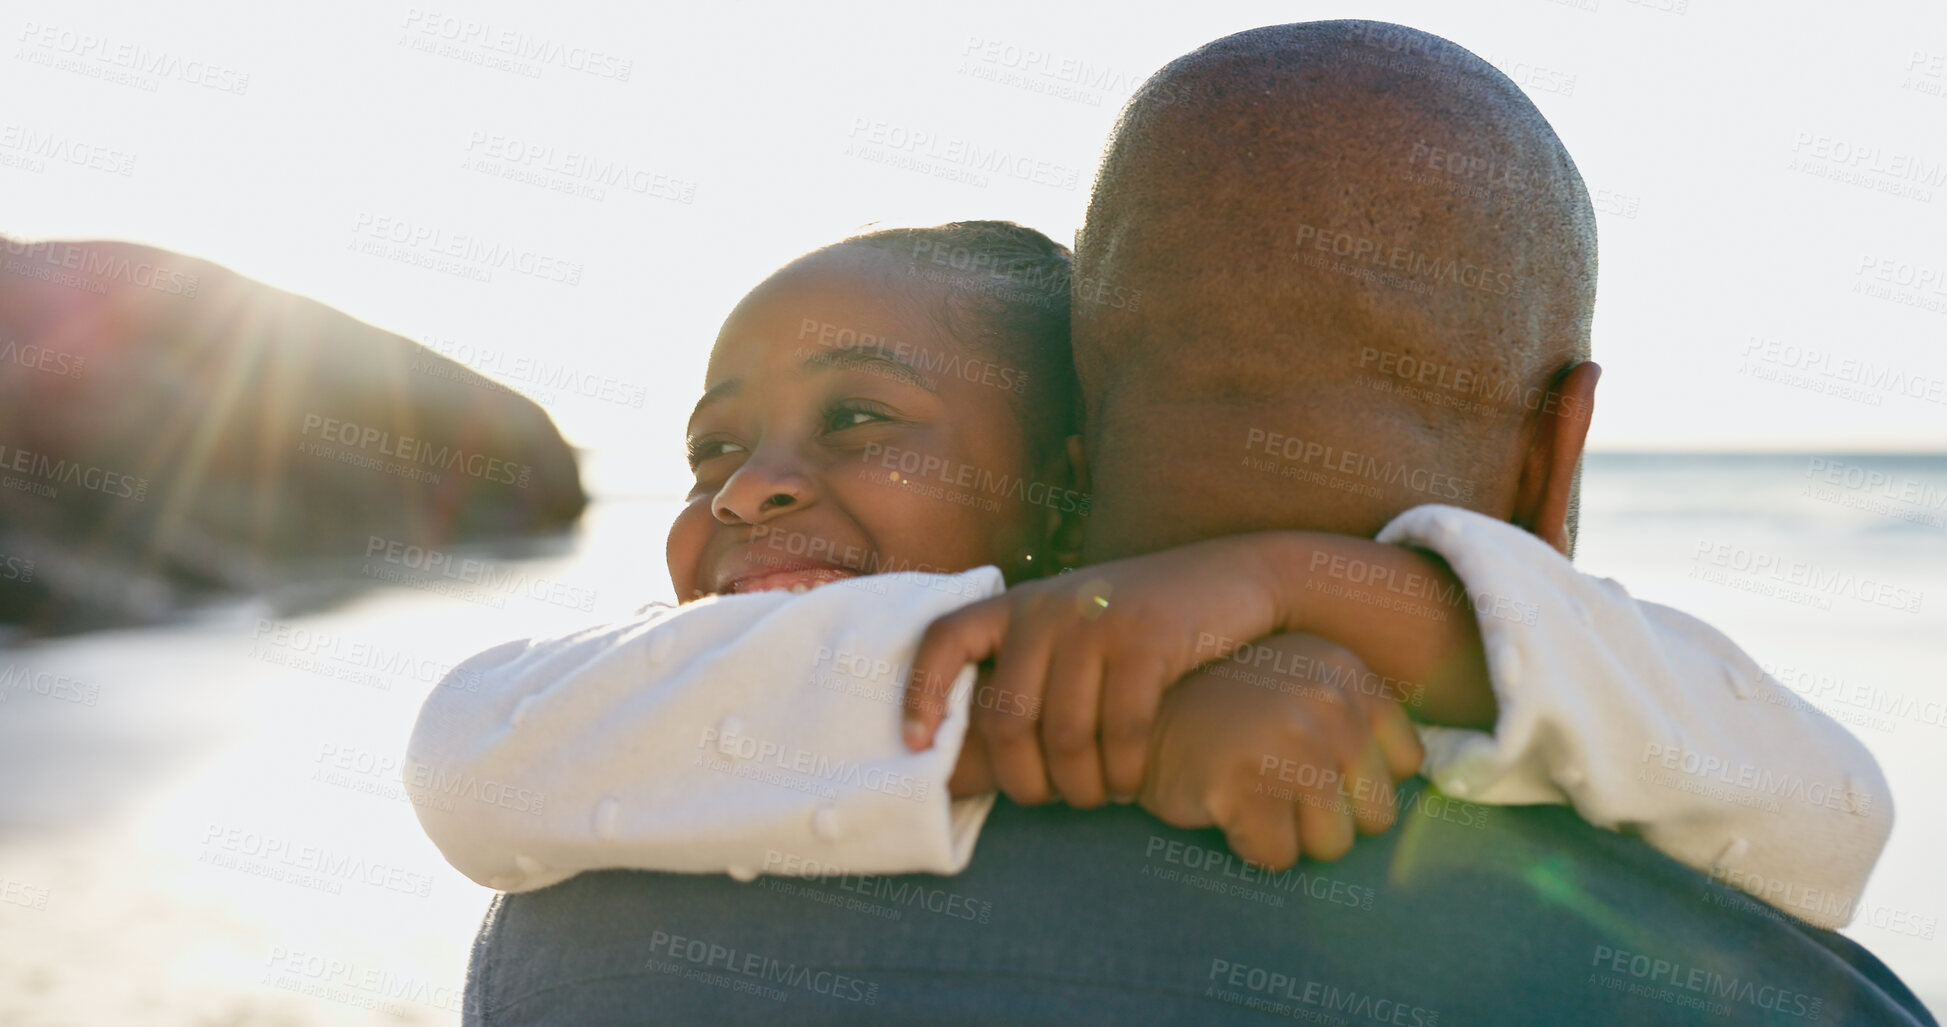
<point>888,428</point>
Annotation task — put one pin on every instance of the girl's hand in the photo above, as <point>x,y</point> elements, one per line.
<point>1287,765</point>
<point>1085,657</point>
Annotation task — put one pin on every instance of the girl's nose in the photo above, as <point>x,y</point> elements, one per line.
<point>759,491</point>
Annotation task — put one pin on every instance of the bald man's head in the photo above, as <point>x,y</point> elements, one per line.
<point>1353,235</point>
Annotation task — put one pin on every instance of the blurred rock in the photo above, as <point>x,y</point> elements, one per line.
<point>171,430</point>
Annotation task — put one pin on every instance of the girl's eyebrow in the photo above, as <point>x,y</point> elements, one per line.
<point>835,359</point>
<point>867,357</point>
<point>715,394</point>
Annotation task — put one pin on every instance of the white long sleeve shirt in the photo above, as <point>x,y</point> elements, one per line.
<point>760,734</point>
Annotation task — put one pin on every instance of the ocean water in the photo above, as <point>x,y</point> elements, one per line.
<point>201,823</point>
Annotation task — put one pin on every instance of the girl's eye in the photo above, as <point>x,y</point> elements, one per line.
<point>839,418</point>
<point>710,449</point>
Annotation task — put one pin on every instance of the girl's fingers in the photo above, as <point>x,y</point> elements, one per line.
<point>1069,730</point>
<point>1263,830</point>
<point>1007,714</point>
<point>1370,788</point>
<point>967,635</point>
<point>1398,741</point>
<point>972,774</point>
<point>1325,826</point>
<point>1132,690</point>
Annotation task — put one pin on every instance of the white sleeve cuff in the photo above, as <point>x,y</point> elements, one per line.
<point>742,734</point>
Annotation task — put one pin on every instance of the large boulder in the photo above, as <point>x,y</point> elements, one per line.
<point>171,429</point>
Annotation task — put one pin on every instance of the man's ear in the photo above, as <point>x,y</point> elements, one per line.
<point>1067,519</point>
<point>1546,493</point>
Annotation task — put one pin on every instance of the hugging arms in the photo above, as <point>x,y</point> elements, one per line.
<point>634,732</point>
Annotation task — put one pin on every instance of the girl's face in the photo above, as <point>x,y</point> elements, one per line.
<point>841,432</point>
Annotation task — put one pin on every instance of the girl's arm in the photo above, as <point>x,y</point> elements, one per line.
<point>745,734</point>
<point>1642,718</point>
<point>1650,721</point>
<point>1400,609</point>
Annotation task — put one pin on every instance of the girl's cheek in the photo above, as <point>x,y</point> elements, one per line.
<point>689,534</point>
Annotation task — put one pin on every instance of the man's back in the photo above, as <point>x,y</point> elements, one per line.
<point>1461,914</point>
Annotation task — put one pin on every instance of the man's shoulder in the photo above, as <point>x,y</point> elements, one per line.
<point>1460,914</point>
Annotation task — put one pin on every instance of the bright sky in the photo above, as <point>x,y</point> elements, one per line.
<point>1772,179</point>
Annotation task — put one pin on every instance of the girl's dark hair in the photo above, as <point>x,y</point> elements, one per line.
<point>1006,291</point>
